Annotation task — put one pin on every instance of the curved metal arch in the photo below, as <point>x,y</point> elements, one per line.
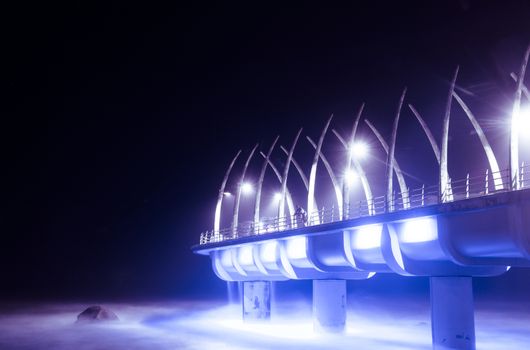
<point>445,191</point>
<point>217,216</point>
<point>525,90</point>
<point>358,169</point>
<point>238,195</point>
<point>514,135</point>
<point>290,203</point>
<point>300,171</point>
<point>390,163</point>
<point>428,132</point>
<point>336,186</point>
<point>281,207</point>
<point>313,172</point>
<point>397,168</point>
<point>298,168</point>
<point>362,175</point>
<point>260,181</point>
<point>494,166</point>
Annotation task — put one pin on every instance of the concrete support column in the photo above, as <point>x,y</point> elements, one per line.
<point>452,313</point>
<point>256,301</point>
<point>329,305</point>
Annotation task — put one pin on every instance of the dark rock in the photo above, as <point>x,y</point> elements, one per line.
<point>96,313</point>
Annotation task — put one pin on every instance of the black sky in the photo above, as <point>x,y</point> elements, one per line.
<point>119,119</point>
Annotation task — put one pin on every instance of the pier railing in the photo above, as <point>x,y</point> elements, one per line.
<point>469,187</point>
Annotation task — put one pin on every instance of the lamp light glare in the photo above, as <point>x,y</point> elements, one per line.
<point>277,197</point>
<point>359,150</point>
<point>268,252</point>
<point>350,177</point>
<point>297,248</point>
<point>227,194</point>
<point>245,255</point>
<point>246,188</point>
<point>367,237</point>
<point>419,230</point>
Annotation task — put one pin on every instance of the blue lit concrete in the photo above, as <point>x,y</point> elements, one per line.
<point>452,313</point>
<point>449,242</point>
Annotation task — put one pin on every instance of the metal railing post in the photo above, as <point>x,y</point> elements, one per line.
<point>467,185</point>
<point>487,188</point>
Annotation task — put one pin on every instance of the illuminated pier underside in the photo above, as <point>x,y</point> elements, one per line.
<point>450,242</point>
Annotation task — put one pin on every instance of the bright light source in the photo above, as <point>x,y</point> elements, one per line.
<point>277,197</point>
<point>419,230</point>
<point>268,252</point>
<point>367,237</point>
<point>350,176</point>
<point>297,248</point>
<point>359,150</point>
<point>246,188</point>
<point>245,255</point>
<point>227,194</point>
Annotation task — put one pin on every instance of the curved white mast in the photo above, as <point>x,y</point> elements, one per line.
<point>494,166</point>
<point>428,132</point>
<point>260,181</point>
<point>281,207</point>
<point>397,168</point>
<point>445,187</point>
<point>300,171</point>
<point>290,203</point>
<point>514,135</point>
<point>336,185</point>
<point>525,90</point>
<point>362,175</point>
<point>313,173</point>
<point>239,187</point>
<point>390,163</point>
<point>217,216</point>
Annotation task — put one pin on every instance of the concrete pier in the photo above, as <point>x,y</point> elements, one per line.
<point>256,301</point>
<point>452,313</point>
<point>329,305</point>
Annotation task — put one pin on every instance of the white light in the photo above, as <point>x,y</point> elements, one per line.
<point>246,188</point>
<point>226,258</point>
<point>296,248</point>
<point>245,255</point>
<point>359,150</point>
<point>227,194</point>
<point>419,230</point>
<point>277,197</point>
<point>367,237</point>
<point>350,176</point>
<point>268,252</point>
<point>524,122</point>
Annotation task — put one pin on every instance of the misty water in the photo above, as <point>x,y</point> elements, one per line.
<point>373,323</point>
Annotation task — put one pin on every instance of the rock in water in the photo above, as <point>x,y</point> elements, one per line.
<point>96,313</point>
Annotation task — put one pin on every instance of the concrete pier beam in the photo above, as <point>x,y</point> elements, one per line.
<point>256,302</point>
<point>452,313</point>
<point>329,305</point>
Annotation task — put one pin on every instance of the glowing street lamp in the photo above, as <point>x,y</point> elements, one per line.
<point>227,194</point>
<point>359,150</point>
<point>277,197</point>
<point>246,188</point>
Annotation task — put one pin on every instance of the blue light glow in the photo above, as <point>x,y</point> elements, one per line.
<point>297,248</point>
<point>367,237</point>
<point>419,230</point>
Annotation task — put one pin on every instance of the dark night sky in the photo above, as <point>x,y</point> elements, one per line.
<point>119,120</point>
